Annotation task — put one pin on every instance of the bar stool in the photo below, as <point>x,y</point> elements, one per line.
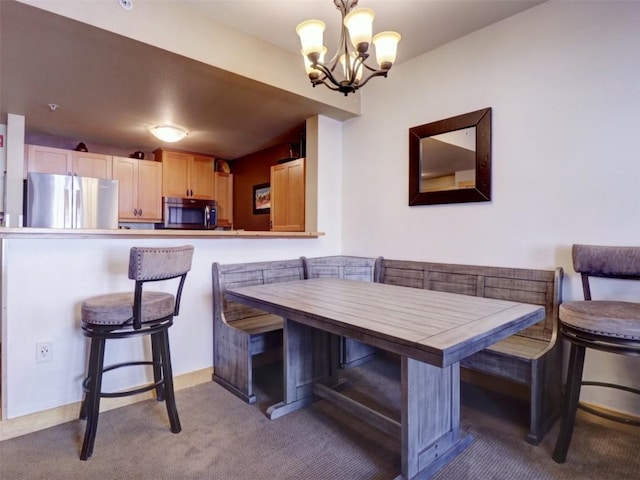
<point>131,314</point>
<point>609,326</point>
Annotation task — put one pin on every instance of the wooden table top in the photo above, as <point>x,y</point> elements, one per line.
<point>435,327</point>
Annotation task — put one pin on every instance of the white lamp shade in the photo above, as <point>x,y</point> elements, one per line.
<point>358,75</point>
<point>386,44</point>
<point>310,33</point>
<point>169,133</point>
<point>359,22</point>
<point>307,63</point>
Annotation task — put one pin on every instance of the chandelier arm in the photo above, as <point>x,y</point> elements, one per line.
<point>327,74</point>
<point>378,73</point>
<point>371,69</point>
<point>328,85</point>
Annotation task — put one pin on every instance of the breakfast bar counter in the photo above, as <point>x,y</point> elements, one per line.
<point>60,233</point>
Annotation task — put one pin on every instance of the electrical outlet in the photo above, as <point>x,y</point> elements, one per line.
<point>44,351</point>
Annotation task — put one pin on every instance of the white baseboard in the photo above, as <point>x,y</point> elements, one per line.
<point>18,426</point>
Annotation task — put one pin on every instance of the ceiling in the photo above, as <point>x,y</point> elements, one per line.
<point>110,88</point>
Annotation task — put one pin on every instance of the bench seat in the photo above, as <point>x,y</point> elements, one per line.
<point>258,324</point>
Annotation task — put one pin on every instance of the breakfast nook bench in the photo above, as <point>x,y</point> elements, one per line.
<point>531,357</point>
<point>241,332</point>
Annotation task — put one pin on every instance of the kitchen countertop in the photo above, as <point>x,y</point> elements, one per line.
<point>58,233</point>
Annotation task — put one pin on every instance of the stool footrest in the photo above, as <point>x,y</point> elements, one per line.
<point>604,414</point>
<point>126,393</point>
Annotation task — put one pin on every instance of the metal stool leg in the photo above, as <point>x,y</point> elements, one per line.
<point>170,398</point>
<point>156,352</point>
<point>91,404</point>
<point>572,397</point>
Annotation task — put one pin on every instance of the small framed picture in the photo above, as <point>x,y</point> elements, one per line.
<point>261,198</point>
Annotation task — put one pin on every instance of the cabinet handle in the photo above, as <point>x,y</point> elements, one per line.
<point>135,212</point>
<point>140,212</point>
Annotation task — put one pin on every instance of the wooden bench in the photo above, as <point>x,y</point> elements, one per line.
<point>533,357</point>
<point>365,269</point>
<point>241,332</point>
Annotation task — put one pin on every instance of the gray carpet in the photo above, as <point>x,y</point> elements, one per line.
<point>223,438</point>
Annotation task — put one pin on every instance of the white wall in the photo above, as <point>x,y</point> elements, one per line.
<point>563,80</point>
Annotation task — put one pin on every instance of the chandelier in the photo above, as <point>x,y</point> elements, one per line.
<point>355,38</point>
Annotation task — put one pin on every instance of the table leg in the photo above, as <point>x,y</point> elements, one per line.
<point>430,418</point>
<point>309,356</point>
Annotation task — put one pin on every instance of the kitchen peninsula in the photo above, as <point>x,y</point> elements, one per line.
<point>61,233</point>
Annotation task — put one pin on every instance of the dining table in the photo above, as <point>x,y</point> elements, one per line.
<point>430,331</point>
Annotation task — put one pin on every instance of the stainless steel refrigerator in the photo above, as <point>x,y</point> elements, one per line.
<point>67,201</point>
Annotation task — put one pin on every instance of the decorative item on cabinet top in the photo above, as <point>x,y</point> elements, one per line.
<point>222,166</point>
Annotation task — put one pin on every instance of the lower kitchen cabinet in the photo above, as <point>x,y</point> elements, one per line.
<point>287,196</point>
<point>139,189</point>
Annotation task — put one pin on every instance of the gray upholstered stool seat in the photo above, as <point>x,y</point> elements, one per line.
<point>135,314</point>
<point>603,317</point>
<point>117,308</point>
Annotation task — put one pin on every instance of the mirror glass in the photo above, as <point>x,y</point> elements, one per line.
<point>450,160</point>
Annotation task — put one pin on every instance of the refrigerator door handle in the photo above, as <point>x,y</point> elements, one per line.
<point>68,202</point>
<point>77,221</point>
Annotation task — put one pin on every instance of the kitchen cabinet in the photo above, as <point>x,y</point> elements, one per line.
<point>287,196</point>
<point>139,189</point>
<point>67,162</point>
<point>186,175</point>
<point>224,196</point>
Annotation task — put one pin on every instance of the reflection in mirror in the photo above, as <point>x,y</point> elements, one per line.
<point>450,160</point>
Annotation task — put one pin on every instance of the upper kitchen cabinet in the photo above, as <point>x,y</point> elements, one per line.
<point>140,189</point>
<point>224,197</point>
<point>41,159</point>
<point>288,196</point>
<point>186,175</point>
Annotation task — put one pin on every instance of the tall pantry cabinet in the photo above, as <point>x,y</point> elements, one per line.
<point>287,196</point>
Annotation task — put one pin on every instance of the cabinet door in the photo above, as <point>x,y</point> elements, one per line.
<point>48,160</point>
<point>95,165</point>
<point>287,196</point>
<point>150,190</point>
<point>201,181</point>
<point>224,197</point>
<point>175,174</point>
<point>125,170</point>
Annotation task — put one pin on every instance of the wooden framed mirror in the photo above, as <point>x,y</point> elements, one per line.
<point>450,160</point>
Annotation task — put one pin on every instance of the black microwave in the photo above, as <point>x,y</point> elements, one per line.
<point>190,213</point>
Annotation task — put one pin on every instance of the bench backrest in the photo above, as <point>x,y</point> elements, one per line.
<point>343,266</point>
<point>244,275</point>
<point>539,287</point>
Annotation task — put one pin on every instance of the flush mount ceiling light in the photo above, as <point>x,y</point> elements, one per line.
<point>169,133</point>
<point>355,38</point>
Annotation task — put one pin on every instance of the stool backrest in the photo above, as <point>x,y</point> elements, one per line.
<point>151,264</point>
<point>605,261</point>
<point>159,263</point>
